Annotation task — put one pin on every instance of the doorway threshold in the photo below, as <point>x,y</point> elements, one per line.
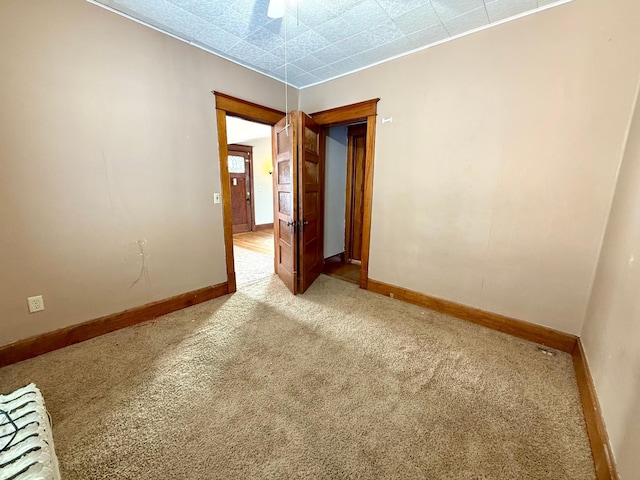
<point>337,268</point>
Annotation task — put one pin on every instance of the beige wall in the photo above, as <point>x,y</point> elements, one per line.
<point>493,183</point>
<point>107,138</point>
<point>611,333</point>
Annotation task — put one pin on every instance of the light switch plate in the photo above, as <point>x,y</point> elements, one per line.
<point>216,198</point>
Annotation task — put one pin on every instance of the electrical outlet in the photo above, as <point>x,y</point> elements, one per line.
<point>36,304</point>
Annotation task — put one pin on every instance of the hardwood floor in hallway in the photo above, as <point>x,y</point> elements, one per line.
<point>259,242</point>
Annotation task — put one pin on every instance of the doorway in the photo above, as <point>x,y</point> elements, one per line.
<point>344,184</point>
<point>311,192</point>
<point>235,107</point>
<point>249,162</point>
<point>364,113</point>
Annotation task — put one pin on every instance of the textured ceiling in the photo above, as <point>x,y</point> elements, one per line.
<point>320,39</point>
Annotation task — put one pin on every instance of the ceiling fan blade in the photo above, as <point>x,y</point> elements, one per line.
<point>276,9</point>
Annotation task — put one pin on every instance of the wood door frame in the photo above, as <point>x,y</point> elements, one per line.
<point>249,150</point>
<point>358,112</point>
<point>226,104</point>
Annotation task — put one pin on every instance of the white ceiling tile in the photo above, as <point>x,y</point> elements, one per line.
<point>278,51</point>
<point>386,32</point>
<point>245,51</point>
<point>353,45</point>
<point>234,23</point>
<point>374,55</point>
<point>288,26</point>
<point>308,63</point>
<point>305,44</point>
<point>467,22</point>
<point>147,9</point>
<point>214,38</point>
<point>348,64</point>
<point>246,7</point>
<point>303,79</point>
<point>289,71</point>
<point>340,7</point>
<point>268,62</point>
<point>501,9</point>
<point>329,54</point>
<point>324,38</point>
<point>334,30</point>
<point>418,19</point>
<point>364,16</point>
<point>313,14</point>
<point>428,36</point>
<point>448,9</point>
<point>265,39</point>
<point>207,11</point>
<point>383,52</point>
<point>326,72</point>
<point>395,8</point>
<point>181,21</point>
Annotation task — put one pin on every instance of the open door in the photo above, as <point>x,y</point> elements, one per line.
<point>310,201</point>
<point>285,215</point>
<point>298,177</point>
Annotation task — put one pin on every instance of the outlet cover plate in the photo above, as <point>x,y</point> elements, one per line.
<point>36,304</point>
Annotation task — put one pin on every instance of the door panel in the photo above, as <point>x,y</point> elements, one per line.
<point>285,215</point>
<point>239,210</point>
<point>239,162</point>
<point>310,202</point>
<point>298,203</point>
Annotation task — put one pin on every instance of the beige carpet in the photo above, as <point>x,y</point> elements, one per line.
<point>337,383</point>
<point>251,266</point>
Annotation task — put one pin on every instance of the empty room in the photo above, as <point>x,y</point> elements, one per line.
<point>319,239</point>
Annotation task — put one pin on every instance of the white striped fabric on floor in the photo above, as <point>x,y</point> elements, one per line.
<point>26,442</point>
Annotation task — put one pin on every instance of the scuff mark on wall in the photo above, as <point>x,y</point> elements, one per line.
<point>144,272</point>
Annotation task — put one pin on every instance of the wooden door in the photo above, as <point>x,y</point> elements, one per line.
<point>356,148</point>
<point>310,201</point>
<point>239,161</point>
<point>298,177</point>
<point>285,217</point>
